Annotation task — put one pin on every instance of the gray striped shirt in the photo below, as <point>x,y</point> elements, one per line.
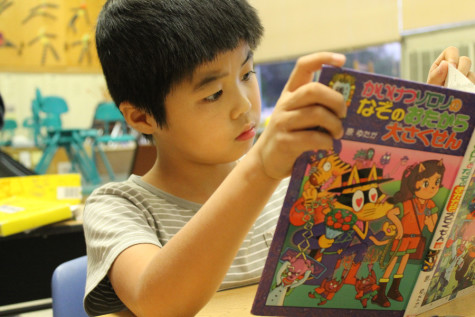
<point>119,215</point>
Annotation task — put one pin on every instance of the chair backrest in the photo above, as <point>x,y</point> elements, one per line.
<point>54,106</point>
<point>67,288</point>
<point>49,106</point>
<point>108,113</point>
<point>46,115</point>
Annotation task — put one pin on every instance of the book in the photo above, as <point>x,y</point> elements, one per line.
<point>20,213</point>
<point>62,187</point>
<point>357,221</point>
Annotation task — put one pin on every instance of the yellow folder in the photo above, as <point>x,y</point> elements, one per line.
<point>21,213</point>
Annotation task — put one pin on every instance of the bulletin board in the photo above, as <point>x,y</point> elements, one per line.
<point>49,35</point>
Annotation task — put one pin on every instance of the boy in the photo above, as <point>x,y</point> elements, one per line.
<point>199,220</point>
<point>182,72</point>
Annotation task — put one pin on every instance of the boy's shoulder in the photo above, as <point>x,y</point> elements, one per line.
<point>118,187</point>
<point>138,192</point>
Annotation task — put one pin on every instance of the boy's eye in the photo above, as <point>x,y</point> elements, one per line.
<point>214,96</point>
<point>248,75</point>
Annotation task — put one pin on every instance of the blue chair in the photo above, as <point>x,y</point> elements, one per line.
<point>67,288</point>
<point>107,115</point>
<point>50,135</point>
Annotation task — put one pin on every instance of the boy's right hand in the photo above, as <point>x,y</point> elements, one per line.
<point>302,106</point>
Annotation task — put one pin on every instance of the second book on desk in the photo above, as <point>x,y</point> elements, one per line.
<point>357,220</point>
<point>21,213</point>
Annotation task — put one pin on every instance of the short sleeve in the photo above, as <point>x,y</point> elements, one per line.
<point>113,221</point>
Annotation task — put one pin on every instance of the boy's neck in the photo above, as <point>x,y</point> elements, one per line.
<point>193,182</point>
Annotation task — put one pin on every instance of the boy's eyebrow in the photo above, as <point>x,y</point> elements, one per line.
<point>207,79</point>
<point>249,56</point>
<point>214,76</point>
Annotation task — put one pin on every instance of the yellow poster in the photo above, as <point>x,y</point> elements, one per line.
<point>48,35</point>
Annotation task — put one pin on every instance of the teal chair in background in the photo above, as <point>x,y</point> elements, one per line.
<point>50,135</point>
<point>114,131</point>
<point>7,132</point>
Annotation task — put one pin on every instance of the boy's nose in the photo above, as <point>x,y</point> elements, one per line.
<point>242,105</point>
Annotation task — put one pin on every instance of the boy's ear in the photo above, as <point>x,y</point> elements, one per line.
<point>138,118</point>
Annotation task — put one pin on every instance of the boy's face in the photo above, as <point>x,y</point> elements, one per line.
<point>213,118</point>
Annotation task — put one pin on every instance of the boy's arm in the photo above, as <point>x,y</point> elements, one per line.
<point>439,69</point>
<point>180,278</point>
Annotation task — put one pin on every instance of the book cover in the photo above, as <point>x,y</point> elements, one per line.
<point>357,220</point>
<point>19,213</point>
<point>63,187</point>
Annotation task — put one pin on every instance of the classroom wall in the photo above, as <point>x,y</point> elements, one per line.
<point>417,14</point>
<point>297,27</point>
<point>293,28</point>
<point>81,91</point>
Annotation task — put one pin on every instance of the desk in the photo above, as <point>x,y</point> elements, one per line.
<point>28,260</point>
<point>237,303</point>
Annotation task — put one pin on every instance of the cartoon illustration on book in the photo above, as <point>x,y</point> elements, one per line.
<point>414,211</point>
<point>295,270</point>
<point>339,233</point>
<point>456,270</point>
<point>357,220</point>
<point>358,203</point>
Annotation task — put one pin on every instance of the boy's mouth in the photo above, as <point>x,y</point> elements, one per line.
<point>248,133</point>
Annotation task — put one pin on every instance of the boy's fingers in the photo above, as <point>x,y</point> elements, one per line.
<point>438,70</point>
<point>450,54</point>
<point>464,65</point>
<point>310,118</point>
<point>471,76</point>
<point>314,139</point>
<point>317,94</point>
<point>306,66</point>
<point>438,74</point>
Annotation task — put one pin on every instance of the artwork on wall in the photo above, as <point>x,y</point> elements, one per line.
<point>48,35</point>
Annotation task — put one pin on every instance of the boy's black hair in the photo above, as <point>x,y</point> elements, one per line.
<point>147,46</point>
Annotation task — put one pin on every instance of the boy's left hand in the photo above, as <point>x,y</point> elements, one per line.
<point>439,69</point>
<point>307,116</point>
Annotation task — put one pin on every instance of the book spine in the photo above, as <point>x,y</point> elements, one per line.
<point>443,229</point>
